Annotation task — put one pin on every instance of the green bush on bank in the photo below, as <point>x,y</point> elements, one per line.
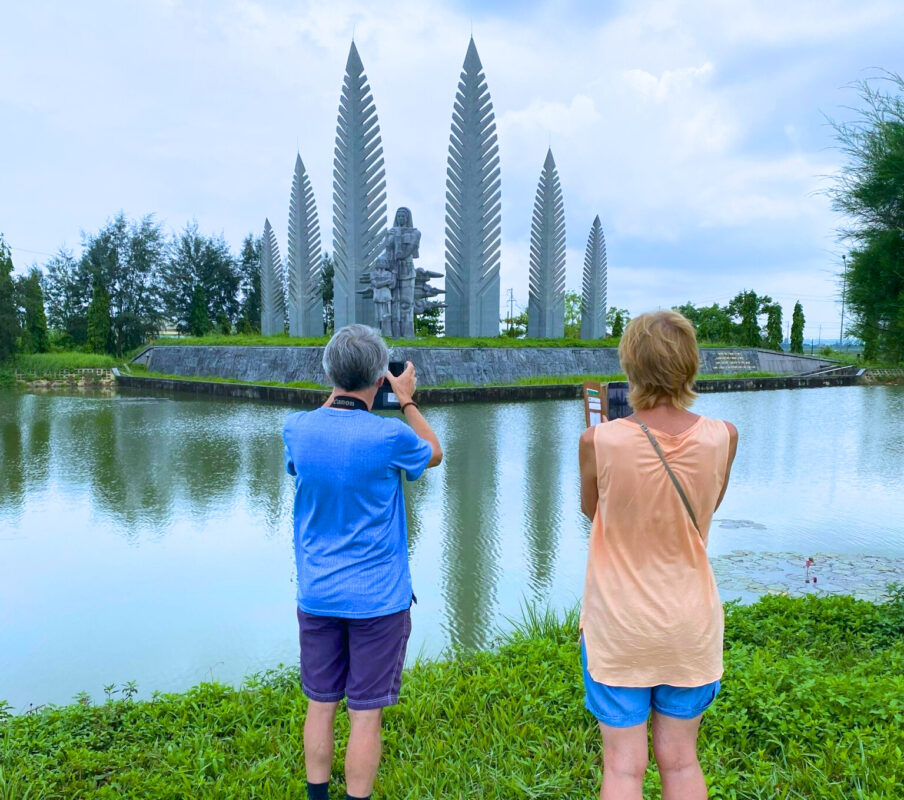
<point>812,706</point>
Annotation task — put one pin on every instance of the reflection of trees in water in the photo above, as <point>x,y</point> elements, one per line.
<point>270,489</point>
<point>543,501</point>
<point>12,463</point>
<point>118,463</point>
<point>208,459</point>
<point>470,524</point>
<point>141,458</point>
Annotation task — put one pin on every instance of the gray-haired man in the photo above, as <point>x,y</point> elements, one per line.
<point>351,551</point>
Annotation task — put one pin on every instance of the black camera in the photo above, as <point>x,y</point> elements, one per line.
<point>385,399</point>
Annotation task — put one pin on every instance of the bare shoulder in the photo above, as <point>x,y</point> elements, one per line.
<point>587,437</point>
<point>732,440</point>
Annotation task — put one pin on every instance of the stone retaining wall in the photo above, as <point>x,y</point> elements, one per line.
<point>439,365</point>
<point>473,394</point>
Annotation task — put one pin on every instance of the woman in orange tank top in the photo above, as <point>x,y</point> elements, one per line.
<point>651,619</point>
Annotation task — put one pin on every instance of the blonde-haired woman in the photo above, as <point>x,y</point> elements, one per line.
<point>651,621</point>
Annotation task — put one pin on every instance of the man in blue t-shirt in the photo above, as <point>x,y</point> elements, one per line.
<point>351,551</point>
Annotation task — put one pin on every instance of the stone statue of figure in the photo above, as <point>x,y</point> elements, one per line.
<point>383,281</point>
<point>402,241</point>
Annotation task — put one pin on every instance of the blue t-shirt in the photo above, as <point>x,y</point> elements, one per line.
<point>351,538</point>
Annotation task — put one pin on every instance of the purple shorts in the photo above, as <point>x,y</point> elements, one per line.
<point>356,658</point>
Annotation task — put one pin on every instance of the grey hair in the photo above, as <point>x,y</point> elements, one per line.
<point>355,358</point>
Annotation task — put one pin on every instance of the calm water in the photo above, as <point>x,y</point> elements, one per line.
<point>149,539</point>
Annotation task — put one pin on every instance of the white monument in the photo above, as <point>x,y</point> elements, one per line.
<point>304,259</point>
<point>273,296</point>
<point>473,203</point>
<point>546,301</point>
<point>359,196</point>
<point>593,298</point>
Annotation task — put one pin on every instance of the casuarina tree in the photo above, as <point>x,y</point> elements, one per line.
<point>100,328</point>
<point>797,329</point>
<point>250,285</point>
<point>774,327</point>
<point>30,299</point>
<point>869,191</point>
<point>9,324</point>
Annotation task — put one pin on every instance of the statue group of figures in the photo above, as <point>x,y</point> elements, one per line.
<point>400,291</point>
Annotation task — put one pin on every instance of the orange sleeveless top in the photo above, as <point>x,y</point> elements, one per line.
<point>651,612</point>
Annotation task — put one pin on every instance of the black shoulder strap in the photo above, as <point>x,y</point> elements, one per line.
<point>675,481</point>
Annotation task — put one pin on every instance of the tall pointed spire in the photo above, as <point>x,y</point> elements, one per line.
<point>593,299</point>
<point>304,259</point>
<point>546,304</point>
<point>273,295</point>
<point>359,196</point>
<point>473,203</point>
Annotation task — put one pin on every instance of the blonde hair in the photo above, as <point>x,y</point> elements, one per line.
<point>658,353</point>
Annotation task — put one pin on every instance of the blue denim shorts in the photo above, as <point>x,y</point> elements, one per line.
<point>626,706</point>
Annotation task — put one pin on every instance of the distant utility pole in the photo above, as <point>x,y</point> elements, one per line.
<point>843,293</point>
<point>820,335</point>
<point>511,298</point>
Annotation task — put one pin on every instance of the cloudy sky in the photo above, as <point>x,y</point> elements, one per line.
<point>697,131</point>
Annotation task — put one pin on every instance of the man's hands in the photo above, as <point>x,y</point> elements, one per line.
<point>405,385</point>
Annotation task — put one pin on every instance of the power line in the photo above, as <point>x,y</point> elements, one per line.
<point>26,250</point>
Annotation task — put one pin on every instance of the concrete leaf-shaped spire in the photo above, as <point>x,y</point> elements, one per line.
<point>546,303</point>
<point>304,260</point>
<point>359,195</point>
<point>473,208</point>
<point>273,287</point>
<point>593,298</point>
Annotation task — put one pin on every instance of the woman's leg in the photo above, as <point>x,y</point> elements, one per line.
<point>675,751</point>
<point>625,760</point>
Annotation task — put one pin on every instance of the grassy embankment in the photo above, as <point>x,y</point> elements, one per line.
<point>812,707</point>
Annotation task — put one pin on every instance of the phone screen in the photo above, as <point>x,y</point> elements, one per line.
<point>617,400</point>
<point>385,399</point>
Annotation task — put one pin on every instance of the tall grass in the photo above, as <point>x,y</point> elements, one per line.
<point>37,365</point>
<point>812,707</point>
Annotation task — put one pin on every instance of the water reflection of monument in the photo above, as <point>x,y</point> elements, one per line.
<point>543,497</point>
<point>470,524</point>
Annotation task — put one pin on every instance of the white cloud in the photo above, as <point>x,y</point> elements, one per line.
<point>552,117</point>
<point>670,82</point>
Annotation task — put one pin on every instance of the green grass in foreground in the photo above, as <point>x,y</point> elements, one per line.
<point>812,706</point>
